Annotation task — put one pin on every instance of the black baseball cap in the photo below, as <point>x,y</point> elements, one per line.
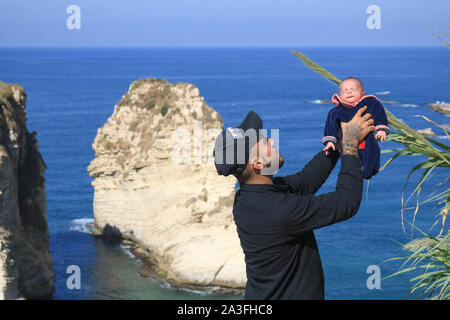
<point>232,146</point>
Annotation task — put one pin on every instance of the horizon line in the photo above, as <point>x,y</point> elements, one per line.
<point>210,46</point>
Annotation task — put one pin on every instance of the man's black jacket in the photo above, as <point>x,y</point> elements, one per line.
<point>275,224</point>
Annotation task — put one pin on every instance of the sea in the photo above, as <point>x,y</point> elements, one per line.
<point>72,92</point>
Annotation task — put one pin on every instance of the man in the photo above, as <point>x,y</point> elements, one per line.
<point>275,217</point>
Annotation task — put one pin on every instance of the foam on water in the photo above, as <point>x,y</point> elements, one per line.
<point>82,225</point>
<point>406,105</point>
<point>127,249</point>
<point>318,101</point>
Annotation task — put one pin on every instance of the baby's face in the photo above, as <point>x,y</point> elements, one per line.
<point>351,90</point>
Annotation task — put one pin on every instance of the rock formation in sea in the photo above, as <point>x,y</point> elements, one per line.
<point>427,132</point>
<point>155,184</point>
<point>26,268</point>
<point>441,107</point>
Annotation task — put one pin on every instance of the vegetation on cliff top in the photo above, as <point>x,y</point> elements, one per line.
<point>159,95</point>
<point>5,91</point>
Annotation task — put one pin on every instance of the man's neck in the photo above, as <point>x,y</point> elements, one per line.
<point>258,179</point>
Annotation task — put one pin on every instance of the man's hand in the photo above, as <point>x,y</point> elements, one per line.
<point>355,131</point>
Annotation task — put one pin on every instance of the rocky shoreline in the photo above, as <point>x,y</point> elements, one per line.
<point>151,268</point>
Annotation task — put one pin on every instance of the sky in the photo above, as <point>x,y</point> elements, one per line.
<point>226,23</point>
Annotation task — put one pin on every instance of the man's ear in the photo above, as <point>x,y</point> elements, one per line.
<point>256,163</point>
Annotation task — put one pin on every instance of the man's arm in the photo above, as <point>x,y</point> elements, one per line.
<point>300,213</point>
<point>304,213</point>
<point>312,176</point>
<point>316,172</point>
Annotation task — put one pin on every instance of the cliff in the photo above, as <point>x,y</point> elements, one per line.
<point>156,185</point>
<point>26,268</point>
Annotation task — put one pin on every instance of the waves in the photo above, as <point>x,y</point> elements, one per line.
<point>405,105</point>
<point>84,225</point>
<point>127,249</point>
<point>318,101</point>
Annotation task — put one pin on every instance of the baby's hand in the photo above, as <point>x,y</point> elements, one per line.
<point>330,145</point>
<point>381,135</point>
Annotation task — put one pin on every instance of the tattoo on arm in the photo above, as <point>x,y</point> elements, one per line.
<point>350,149</point>
<point>350,143</point>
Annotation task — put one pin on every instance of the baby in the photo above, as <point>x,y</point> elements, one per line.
<point>351,98</point>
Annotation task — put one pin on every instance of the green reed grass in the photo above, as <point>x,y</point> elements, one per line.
<point>410,143</point>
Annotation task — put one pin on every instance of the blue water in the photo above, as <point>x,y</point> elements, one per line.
<point>72,92</point>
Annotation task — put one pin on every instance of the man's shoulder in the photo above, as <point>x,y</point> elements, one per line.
<point>258,195</point>
<point>282,183</point>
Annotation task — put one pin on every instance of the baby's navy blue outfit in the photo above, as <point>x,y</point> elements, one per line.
<point>369,150</point>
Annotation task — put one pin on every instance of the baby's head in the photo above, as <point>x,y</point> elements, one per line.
<point>351,89</point>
